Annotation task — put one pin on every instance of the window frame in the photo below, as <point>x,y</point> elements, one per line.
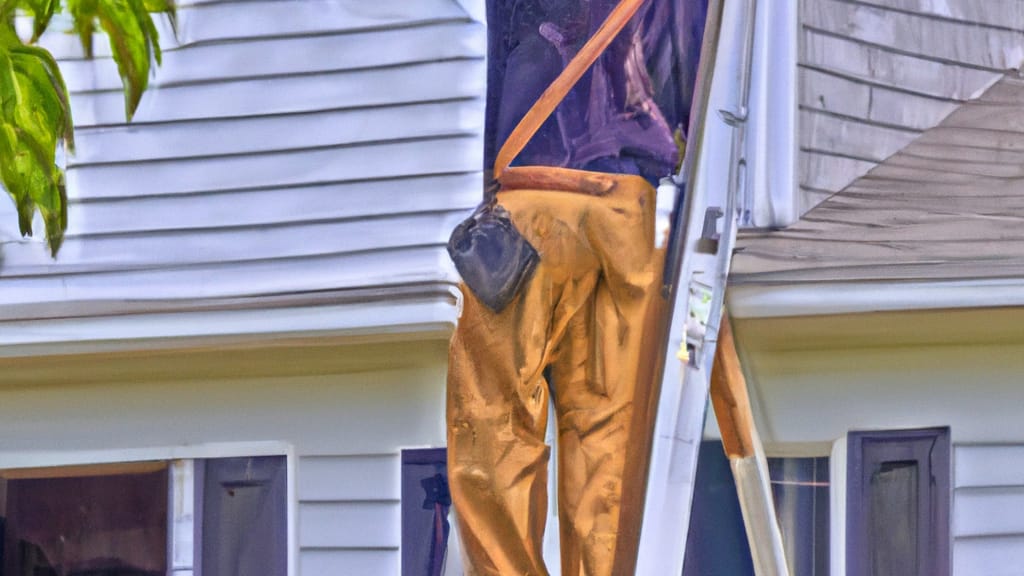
<point>171,454</point>
<point>902,445</point>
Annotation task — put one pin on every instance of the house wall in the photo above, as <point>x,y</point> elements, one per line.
<point>345,410</point>
<point>813,379</point>
<point>874,74</point>
<point>282,147</point>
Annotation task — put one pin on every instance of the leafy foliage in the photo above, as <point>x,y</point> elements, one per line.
<point>35,113</point>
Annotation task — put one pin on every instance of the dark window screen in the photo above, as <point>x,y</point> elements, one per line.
<point>425,505</point>
<point>88,525</point>
<point>898,503</point>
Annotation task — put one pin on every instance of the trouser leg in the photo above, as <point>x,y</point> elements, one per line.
<point>497,457</point>
<point>594,377</point>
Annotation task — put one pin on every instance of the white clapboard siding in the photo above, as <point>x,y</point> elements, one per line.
<point>284,147</point>
<point>323,272</point>
<point>988,527</point>
<point>349,514</point>
<point>290,55</point>
<point>336,562</point>
<point>389,159</point>
<point>183,247</point>
<point>224,21</point>
<point>1001,14</point>
<point>828,133</point>
<point>307,202</point>
<point>223,136</point>
<point>421,82</point>
<point>879,66</point>
<point>1002,556</point>
<point>373,477</point>
<point>350,525</point>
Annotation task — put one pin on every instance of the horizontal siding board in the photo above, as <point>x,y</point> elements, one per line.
<point>288,56</point>
<point>354,562</point>
<point>988,511</point>
<point>907,110</point>
<point>989,556</point>
<point>410,83</point>
<point>376,268</point>
<point>219,22</point>
<point>877,65</point>
<point>993,465</point>
<point>350,525</point>
<point>293,167</point>
<point>189,139</point>
<point>277,205</point>
<point>851,137</point>
<point>956,42</point>
<point>178,247</point>
<point>349,478</point>
<point>229,21</point>
<point>843,96</point>
<point>835,94</point>
<point>824,172</point>
<point>1001,14</point>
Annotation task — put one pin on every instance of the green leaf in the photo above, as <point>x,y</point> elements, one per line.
<point>34,119</point>
<point>134,40</point>
<point>42,11</point>
<point>164,6</point>
<point>35,113</point>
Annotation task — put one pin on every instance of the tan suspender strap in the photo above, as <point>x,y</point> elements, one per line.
<point>549,100</point>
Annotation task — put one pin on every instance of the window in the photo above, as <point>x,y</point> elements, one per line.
<point>897,503</point>
<point>800,487</point>
<point>717,543</point>
<point>425,506</point>
<point>219,517</point>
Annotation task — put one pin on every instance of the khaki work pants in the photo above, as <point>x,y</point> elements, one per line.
<point>581,314</point>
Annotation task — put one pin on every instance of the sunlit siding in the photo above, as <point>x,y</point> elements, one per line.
<point>284,147</point>
<point>988,529</point>
<point>874,74</point>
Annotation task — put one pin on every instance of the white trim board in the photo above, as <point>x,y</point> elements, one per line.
<point>383,319</point>
<point>760,301</point>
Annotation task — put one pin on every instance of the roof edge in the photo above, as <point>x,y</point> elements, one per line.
<point>824,298</point>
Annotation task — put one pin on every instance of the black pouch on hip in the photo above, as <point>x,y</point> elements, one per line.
<point>492,257</point>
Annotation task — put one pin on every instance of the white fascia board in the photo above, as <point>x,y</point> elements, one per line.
<point>760,301</point>
<point>385,319</point>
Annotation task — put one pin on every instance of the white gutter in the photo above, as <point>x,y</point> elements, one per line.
<point>820,298</point>
<point>773,141</point>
